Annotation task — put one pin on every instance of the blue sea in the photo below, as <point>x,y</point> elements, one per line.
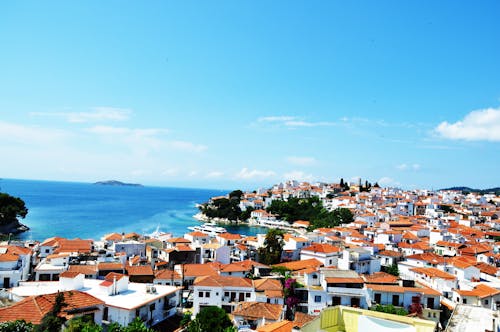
<point>89,211</point>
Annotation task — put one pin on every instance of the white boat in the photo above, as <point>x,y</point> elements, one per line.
<point>209,228</point>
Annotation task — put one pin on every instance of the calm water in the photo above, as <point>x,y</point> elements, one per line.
<point>85,210</point>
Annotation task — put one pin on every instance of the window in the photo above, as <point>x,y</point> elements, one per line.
<point>315,276</point>
<point>486,302</point>
<point>207,294</point>
<point>317,298</point>
<point>464,301</point>
<point>200,294</point>
<point>247,294</point>
<point>47,251</point>
<point>226,293</point>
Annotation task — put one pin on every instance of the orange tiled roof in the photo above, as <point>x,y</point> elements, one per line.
<point>33,309</point>
<point>281,326</point>
<point>480,291</point>
<point>380,278</point>
<point>222,281</point>
<point>259,310</point>
<point>140,270</point>
<point>400,289</point>
<point>84,269</point>
<point>322,248</point>
<point>167,275</point>
<point>267,284</point>
<point>301,265</point>
<point>433,273</point>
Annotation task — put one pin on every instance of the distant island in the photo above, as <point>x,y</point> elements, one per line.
<point>495,190</point>
<point>117,183</point>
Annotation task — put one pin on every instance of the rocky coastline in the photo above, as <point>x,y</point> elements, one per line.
<point>14,227</point>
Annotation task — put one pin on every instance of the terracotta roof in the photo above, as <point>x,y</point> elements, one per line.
<point>85,269</point>
<point>281,326</point>
<point>301,265</point>
<point>76,245</point>
<point>243,266</point>
<point>69,274</point>
<point>167,275</point>
<point>7,257</point>
<point>302,318</point>
<point>322,248</point>
<point>198,234</point>
<point>17,250</point>
<point>222,281</point>
<point>428,257</point>
<point>113,237</point>
<point>229,236</point>
<point>198,270</point>
<point>480,291</point>
<point>380,278</point>
<point>389,253</point>
<point>34,308</point>
<point>259,310</point>
<point>333,280</point>
<point>487,268</point>
<point>267,284</point>
<point>140,270</point>
<point>112,275</point>
<point>109,266</point>
<point>433,273</point>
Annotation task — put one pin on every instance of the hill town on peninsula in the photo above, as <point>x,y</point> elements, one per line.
<point>420,260</point>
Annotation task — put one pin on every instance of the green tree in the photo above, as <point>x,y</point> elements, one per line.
<point>210,319</point>
<point>16,326</point>
<point>83,324</point>
<point>393,269</point>
<point>52,322</point>
<point>11,209</point>
<point>270,253</point>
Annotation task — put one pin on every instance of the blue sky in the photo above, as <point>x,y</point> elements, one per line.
<point>249,93</point>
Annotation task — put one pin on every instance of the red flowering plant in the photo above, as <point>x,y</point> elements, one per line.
<point>291,300</point>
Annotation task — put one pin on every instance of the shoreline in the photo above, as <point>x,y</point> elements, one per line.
<point>13,228</point>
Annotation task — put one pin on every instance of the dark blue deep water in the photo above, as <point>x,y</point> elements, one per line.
<point>89,211</point>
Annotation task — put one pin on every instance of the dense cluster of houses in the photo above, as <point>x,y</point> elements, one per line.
<point>440,248</point>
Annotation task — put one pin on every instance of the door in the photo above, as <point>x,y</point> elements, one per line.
<point>6,282</point>
<point>430,302</point>
<point>395,300</point>
<point>355,302</point>
<point>378,298</point>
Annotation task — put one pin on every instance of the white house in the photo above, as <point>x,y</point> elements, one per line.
<point>221,291</point>
<point>359,260</point>
<point>327,254</point>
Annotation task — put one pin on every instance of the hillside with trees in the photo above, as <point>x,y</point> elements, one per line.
<point>11,210</point>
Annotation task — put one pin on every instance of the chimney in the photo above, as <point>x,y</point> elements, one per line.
<point>114,289</point>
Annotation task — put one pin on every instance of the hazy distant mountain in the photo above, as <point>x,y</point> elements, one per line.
<point>495,190</point>
<point>117,183</point>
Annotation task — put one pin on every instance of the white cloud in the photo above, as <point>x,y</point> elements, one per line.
<point>170,172</point>
<point>214,174</point>
<point>276,118</point>
<point>247,174</point>
<point>388,182</point>
<point>299,176</point>
<point>406,167</point>
<point>31,134</point>
<point>300,123</point>
<point>186,146</point>
<point>146,138</point>
<point>96,114</point>
<point>301,161</point>
<point>477,125</point>
<point>110,130</point>
<point>293,121</point>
